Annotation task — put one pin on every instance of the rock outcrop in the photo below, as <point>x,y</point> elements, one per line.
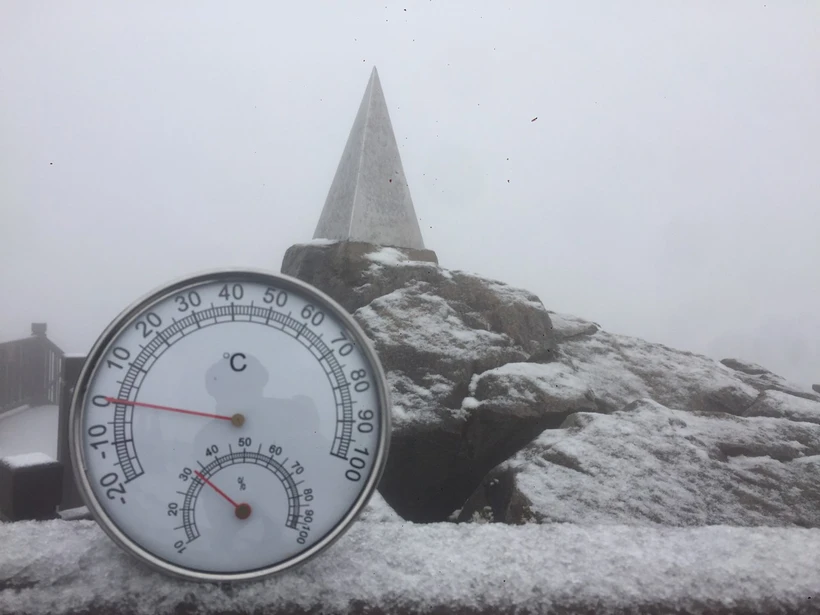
<point>687,441</point>
<point>437,332</point>
<point>499,405</point>
<point>649,464</point>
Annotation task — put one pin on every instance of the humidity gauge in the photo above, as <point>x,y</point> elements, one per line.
<point>230,425</point>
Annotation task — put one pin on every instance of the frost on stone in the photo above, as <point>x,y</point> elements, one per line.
<point>652,464</point>
<point>532,382</point>
<point>779,404</point>
<point>566,326</point>
<point>63,568</point>
<point>26,460</point>
<point>416,403</point>
<point>428,324</point>
<point>762,379</point>
<point>378,510</point>
<point>620,369</point>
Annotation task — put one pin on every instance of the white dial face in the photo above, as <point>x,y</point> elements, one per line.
<point>231,426</point>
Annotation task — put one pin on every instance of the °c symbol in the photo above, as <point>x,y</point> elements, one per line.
<point>236,362</point>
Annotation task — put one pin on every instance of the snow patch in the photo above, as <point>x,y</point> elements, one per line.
<point>436,326</point>
<point>389,257</point>
<point>648,464</point>
<point>621,369</point>
<point>61,567</point>
<point>31,430</point>
<point>780,404</point>
<point>26,460</point>
<point>556,380</point>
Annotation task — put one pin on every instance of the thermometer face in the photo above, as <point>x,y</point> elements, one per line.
<point>230,426</point>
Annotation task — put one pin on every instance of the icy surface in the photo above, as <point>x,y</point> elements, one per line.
<point>26,460</point>
<point>566,325</point>
<point>436,327</point>
<point>387,256</point>
<point>318,242</point>
<point>555,380</point>
<point>33,430</point>
<point>62,567</point>
<point>377,510</point>
<point>649,464</point>
<point>620,369</point>
<point>779,404</point>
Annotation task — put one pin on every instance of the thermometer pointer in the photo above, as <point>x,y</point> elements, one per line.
<point>234,419</point>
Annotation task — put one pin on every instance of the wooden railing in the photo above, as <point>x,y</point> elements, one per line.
<point>30,371</point>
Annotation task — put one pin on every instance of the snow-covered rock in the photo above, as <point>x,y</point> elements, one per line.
<point>435,330</point>
<point>763,380</point>
<point>649,464</point>
<point>378,510</point>
<point>620,369</point>
<point>478,370</point>
<point>779,404</point>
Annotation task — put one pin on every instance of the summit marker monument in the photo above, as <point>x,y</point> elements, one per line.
<point>369,200</point>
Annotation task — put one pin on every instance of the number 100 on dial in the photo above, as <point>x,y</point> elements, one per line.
<point>230,425</point>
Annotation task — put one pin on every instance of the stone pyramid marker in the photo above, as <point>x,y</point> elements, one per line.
<point>369,200</point>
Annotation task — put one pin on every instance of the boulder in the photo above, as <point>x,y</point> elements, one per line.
<point>620,369</point>
<point>650,464</point>
<point>763,380</point>
<point>378,511</point>
<point>436,331</point>
<point>349,271</point>
<point>776,403</point>
<point>478,369</point>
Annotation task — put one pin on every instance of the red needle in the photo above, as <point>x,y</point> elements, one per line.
<point>243,511</point>
<point>217,489</point>
<point>114,400</point>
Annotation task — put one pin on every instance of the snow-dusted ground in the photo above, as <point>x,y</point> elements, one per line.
<point>29,430</point>
<point>62,567</point>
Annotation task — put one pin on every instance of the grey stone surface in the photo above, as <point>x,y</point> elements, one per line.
<point>816,388</point>
<point>369,199</point>
<point>434,331</point>
<point>648,464</point>
<point>619,369</point>
<point>762,379</point>
<point>343,269</point>
<point>776,403</point>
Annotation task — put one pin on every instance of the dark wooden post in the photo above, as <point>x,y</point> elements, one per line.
<point>72,365</point>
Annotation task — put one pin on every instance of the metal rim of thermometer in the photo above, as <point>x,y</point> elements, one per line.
<point>229,425</point>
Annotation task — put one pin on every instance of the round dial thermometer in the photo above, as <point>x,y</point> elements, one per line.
<point>230,425</point>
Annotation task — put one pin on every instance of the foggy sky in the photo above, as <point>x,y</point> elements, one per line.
<point>669,188</point>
